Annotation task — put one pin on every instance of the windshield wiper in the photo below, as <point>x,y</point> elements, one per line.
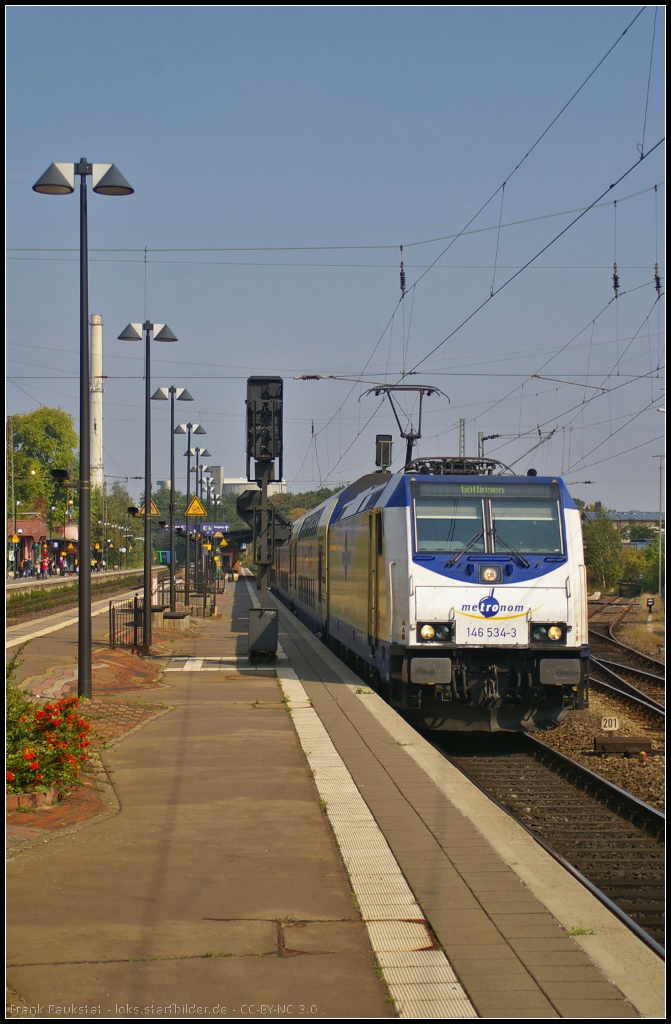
<point>474,539</point>
<point>521,560</point>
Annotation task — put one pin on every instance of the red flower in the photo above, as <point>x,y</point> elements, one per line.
<point>82,757</point>
<point>34,765</point>
<point>10,776</point>
<point>28,755</point>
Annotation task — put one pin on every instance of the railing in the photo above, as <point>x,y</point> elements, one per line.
<point>126,623</point>
<point>126,617</point>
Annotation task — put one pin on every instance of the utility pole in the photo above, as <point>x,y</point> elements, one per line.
<point>462,439</point>
<point>660,522</point>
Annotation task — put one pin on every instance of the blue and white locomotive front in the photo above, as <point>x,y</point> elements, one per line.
<point>463,596</point>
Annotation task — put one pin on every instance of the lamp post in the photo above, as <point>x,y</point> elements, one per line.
<point>182,395</point>
<point>59,180</point>
<point>198,491</point>
<point>661,496</point>
<point>133,332</point>
<point>188,429</point>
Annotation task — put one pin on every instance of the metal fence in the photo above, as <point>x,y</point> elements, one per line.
<point>126,618</point>
<point>126,623</point>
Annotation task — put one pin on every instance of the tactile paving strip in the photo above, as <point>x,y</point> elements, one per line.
<point>419,976</point>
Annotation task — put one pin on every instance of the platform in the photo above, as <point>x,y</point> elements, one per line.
<point>327,859</point>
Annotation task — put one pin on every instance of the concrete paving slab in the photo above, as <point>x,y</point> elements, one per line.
<point>583,1009</point>
<point>327,937</point>
<point>220,850</point>
<point>320,986</point>
<point>330,675</point>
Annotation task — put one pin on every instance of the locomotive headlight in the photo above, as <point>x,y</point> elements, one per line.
<point>435,632</point>
<point>489,575</point>
<point>548,633</point>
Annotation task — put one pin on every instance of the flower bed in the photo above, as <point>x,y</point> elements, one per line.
<point>47,746</point>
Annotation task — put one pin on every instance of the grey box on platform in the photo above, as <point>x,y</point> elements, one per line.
<point>263,624</point>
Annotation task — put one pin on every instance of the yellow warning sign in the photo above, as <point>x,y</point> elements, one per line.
<point>15,538</point>
<point>154,510</point>
<point>195,508</point>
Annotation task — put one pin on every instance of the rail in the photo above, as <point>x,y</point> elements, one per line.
<point>597,832</point>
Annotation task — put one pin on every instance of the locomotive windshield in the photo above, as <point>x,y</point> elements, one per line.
<point>502,517</point>
<point>447,524</point>
<point>531,527</point>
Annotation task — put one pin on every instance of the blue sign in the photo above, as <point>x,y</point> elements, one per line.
<point>206,529</point>
<point>209,529</point>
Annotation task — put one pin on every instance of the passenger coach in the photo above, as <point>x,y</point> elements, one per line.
<point>459,594</point>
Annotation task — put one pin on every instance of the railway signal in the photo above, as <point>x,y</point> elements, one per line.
<point>264,446</point>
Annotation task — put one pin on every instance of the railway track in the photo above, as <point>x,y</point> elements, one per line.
<point>620,668</point>
<point>611,841</point>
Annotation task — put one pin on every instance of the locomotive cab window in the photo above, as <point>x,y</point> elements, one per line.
<point>494,517</point>
<point>446,524</point>
<point>531,527</point>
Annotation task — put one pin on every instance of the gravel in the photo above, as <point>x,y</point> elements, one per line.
<point>575,738</point>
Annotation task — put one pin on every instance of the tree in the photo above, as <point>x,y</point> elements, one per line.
<point>650,555</point>
<point>38,442</point>
<point>639,531</point>
<point>603,550</point>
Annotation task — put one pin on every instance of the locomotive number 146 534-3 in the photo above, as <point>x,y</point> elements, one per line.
<point>492,632</point>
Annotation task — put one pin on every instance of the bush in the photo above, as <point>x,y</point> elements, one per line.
<point>46,746</point>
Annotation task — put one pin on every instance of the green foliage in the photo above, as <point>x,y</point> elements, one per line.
<point>288,503</point>
<point>603,550</point>
<point>40,441</point>
<point>650,569</point>
<point>46,746</point>
<point>633,563</point>
<point>638,531</point>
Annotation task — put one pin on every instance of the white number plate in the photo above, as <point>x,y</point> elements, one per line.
<point>610,724</point>
<point>478,632</point>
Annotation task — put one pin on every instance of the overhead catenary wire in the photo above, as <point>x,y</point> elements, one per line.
<point>641,146</point>
<point>533,258</point>
<point>326,248</point>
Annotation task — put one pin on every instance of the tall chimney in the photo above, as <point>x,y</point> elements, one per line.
<point>97,467</point>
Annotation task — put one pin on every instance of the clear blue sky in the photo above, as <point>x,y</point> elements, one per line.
<point>259,127</point>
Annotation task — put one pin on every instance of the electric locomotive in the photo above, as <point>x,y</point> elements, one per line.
<point>458,591</point>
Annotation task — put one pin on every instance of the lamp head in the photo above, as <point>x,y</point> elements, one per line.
<point>111,181</point>
<point>133,332</point>
<point>57,180</point>
<point>164,334</point>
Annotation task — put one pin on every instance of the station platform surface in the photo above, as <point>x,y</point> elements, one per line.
<point>279,842</point>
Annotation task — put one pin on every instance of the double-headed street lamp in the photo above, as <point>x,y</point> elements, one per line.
<point>197,490</point>
<point>182,395</point>
<point>188,429</point>
<point>133,332</point>
<point>59,180</point>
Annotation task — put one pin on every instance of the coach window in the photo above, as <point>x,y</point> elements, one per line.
<point>447,524</point>
<point>530,527</point>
